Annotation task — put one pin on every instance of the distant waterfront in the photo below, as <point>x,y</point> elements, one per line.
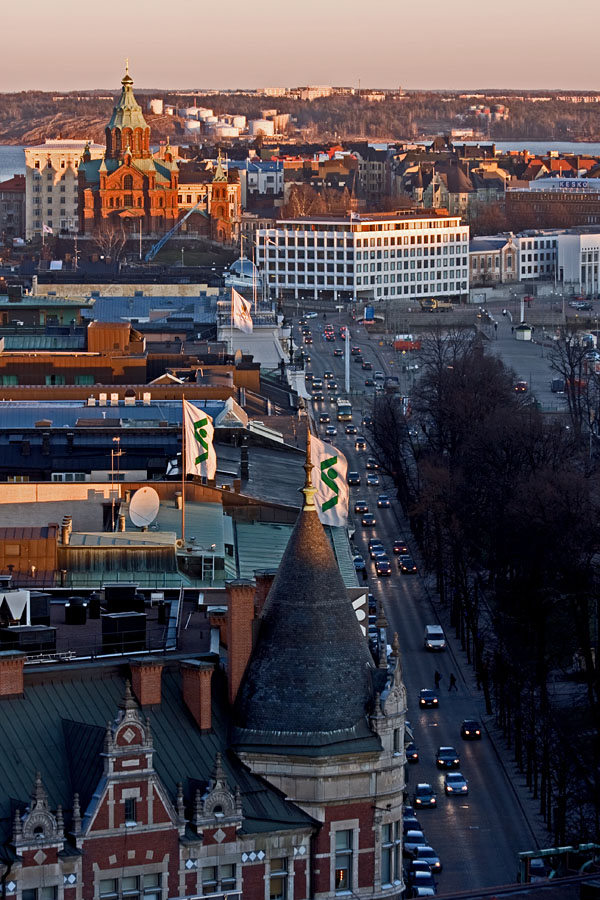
<point>12,158</point>
<point>12,162</point>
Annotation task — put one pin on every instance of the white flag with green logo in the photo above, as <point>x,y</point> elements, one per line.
<point>200,456</point>
<point>330,467</point>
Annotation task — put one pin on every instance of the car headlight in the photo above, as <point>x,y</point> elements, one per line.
<point>449,788</point>
<point>467,732</point>
<point>435,702</point>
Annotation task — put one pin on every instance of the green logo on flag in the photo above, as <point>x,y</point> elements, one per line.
<point>328,475</point>
<point>200,435</point>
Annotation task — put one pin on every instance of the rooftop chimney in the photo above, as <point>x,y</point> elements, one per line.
<point>11,673</point>
<point>146,680</point>
<point>196,683</point>
<point>240,616</point>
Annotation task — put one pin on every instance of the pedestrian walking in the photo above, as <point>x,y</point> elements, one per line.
<point>452,682</point>
<point>437,678</point>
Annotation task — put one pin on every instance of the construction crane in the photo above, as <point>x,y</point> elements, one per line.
<point>157,247</point>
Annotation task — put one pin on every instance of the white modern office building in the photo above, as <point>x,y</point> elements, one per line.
<point>536,254</point>
<point>371,257</point>
<point>51,193</point>
<point>578,261</point>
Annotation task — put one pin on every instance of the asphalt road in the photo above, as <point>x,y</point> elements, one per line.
<point>478,836</point>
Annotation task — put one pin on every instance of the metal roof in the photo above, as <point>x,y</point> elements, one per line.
<point>58,728</point>
<point>25,413</point>
<point>40,342</point>
<point>261,545</point>
<point>203,308</point>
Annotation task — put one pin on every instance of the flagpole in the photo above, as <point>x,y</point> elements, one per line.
<point>254,285</point>
<point>231,324</point>
<point>183,468</point>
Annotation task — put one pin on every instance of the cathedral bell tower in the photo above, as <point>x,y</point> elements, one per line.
<point>127,129</point>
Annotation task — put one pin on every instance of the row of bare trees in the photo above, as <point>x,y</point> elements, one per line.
<point>505,504</point>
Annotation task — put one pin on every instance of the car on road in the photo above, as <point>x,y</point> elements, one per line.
<point>308,339</point>
<point>318,396</point>
<point>428,699</point>
<point>428,855</point>
<point>424,796</point>
<point>400,548</point>
<point>367,366</point>
<point>369,382</point>
<point>383,566</point>
<point>330,336</point>
<point>455,783</point>
<point>470,730</point>
<point>360,443</point>
<point>331,431</point>
<point>367,420</point>
<point>359,562</point>
<point>361,506</point>
<point>317,383</point>
<point>521,387</point>
<point>379,376</point>
<point>310,315</point>
<point>332,386</point>
<point>412,753</point>
<point>410,823</point>
<point>383,501</point>
<point>407,812</point>
<point>422,884</point>
<point>447,758</point>
<point>375,546</point>
<point>327,375</point>
<point>434,638</point>
<point>372,603</point>
<point>351,429</point>
<point>324,419</point>
<point>407,565</point>
<point>412,840</point>
<point>355,351</point>
<point>372,479</point>
<point>308,376</point>
<point>368,520</point>
<point>338,351</point>
<point>353,478</point>
<point>371,463</point>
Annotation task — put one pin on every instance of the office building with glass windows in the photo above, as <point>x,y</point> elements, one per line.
<point>370,257</point>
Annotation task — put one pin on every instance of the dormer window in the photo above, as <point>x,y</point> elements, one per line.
<point>218,812</point>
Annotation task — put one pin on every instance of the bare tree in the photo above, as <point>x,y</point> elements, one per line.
<point>568,358</point>
<point>110,239</point>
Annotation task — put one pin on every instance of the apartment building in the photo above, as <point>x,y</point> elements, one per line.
<point>12,207</point>
<point>51,173</point>
<point>578,258</point>
<point>376,256</point>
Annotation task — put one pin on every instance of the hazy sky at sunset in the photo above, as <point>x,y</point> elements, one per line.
<point>71,44</point>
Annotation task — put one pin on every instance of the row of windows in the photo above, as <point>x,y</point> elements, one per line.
<point>294,238</point>
<point>63,163</point>
<point>148,887</point>
<point>50,380</point>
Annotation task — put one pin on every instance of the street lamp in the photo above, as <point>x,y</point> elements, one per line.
<point>182,252</point>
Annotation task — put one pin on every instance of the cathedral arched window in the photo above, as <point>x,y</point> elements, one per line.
<point>128,183</point>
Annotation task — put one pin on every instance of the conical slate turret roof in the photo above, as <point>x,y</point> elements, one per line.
<point>309,684</point>
<point>127,113</point>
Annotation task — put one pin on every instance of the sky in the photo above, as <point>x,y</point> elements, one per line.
<point>437,44</point>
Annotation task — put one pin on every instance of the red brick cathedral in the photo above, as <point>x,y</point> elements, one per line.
<point>128,187</point>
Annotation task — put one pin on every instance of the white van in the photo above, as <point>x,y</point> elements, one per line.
<point>435,638</point>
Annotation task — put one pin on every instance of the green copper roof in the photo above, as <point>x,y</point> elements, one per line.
<point>127,113</point>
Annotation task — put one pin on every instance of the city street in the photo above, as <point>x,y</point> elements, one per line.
<point>478,836</point>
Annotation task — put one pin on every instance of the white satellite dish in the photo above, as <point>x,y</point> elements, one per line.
<point>143,508</point>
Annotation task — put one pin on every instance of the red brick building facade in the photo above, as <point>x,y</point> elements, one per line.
<point>192,790</point>
<point>128,188</point>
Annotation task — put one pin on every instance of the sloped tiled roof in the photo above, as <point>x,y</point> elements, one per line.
<point>57,728</point>
<point>308,687</point>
